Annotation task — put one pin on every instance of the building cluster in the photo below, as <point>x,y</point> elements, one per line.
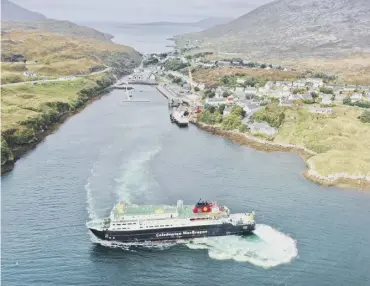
<point>141,74</point>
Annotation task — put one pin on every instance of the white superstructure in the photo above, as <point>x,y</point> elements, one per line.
<point>151,217</point>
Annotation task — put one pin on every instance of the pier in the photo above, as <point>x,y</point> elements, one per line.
<point>172,96</point>
<point>142,82</point>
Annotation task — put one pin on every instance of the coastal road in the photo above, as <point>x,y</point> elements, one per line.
<point>67,78</point>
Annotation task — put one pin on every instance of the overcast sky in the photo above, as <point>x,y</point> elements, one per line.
<point>139,10</point>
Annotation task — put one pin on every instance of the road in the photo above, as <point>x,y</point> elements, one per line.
<point>67,78</point>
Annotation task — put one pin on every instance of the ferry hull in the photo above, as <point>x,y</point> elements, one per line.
<point>173,233</point>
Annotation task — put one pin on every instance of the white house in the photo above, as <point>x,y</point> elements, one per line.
<point>339,97</point>
<point>216,101</point>
<point>315,82</point>
<point>138,76</point>
<point>239,93</point>
<point>326,99</point>
<point>299,84</point>
<point>356,97</point>
<point>240,80</point>
<point>269,85</point>
<point>250,92</point>
<point>227,110</point>
<point>320,110</point>
<point>28,73</point>
<point>250,108</point>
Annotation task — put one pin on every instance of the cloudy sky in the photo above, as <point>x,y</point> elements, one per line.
<point>140,10</point>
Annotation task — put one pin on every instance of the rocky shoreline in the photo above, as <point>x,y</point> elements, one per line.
<point>338,180</point>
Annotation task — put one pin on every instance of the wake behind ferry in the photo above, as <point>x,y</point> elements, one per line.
<point>134,223</point>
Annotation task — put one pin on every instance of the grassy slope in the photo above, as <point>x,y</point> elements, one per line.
<point>352,69</point>
<point>58,55</point>
<point>28,109</point>
<point>22,102</point>
<point>213,76</point>
<point>355,68</point>
<point>341,139</point>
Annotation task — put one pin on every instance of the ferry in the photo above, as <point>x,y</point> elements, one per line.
<point>155,223</point>
<point>180,116</point>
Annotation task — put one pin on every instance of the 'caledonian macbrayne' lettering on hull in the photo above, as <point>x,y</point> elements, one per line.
<point>133,223</point>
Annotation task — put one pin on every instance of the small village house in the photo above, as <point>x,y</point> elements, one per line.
<point>356,97</point>
<point>320,110</point>
<point>262,128</point>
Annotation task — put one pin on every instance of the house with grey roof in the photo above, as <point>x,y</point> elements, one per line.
<point>283,101</point>
<point>307,96</point>
<point>293,96</point>
<point>250,92</point>
<point>262,128</point>
<point>251,108</point>
<point>223,63</point>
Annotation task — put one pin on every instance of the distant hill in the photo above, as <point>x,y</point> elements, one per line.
<point>65,28</point>
<point>205,23</point>
<point>14,17</point>
<point>295,28</point>
<point>212,22</point>
<point>13,12</point>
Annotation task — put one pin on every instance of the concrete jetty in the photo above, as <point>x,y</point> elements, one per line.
<point>171,95</point>
<point>142,82</point>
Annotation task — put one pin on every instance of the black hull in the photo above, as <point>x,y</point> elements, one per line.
<point>173,233</point>
<point>181,124</point>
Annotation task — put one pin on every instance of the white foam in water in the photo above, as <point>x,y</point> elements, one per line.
<point>90,200</point>
<point>136,179</point>
<point>270,249</point>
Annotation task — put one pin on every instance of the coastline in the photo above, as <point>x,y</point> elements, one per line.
<point>21,150</point>
<point>337,180</point>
